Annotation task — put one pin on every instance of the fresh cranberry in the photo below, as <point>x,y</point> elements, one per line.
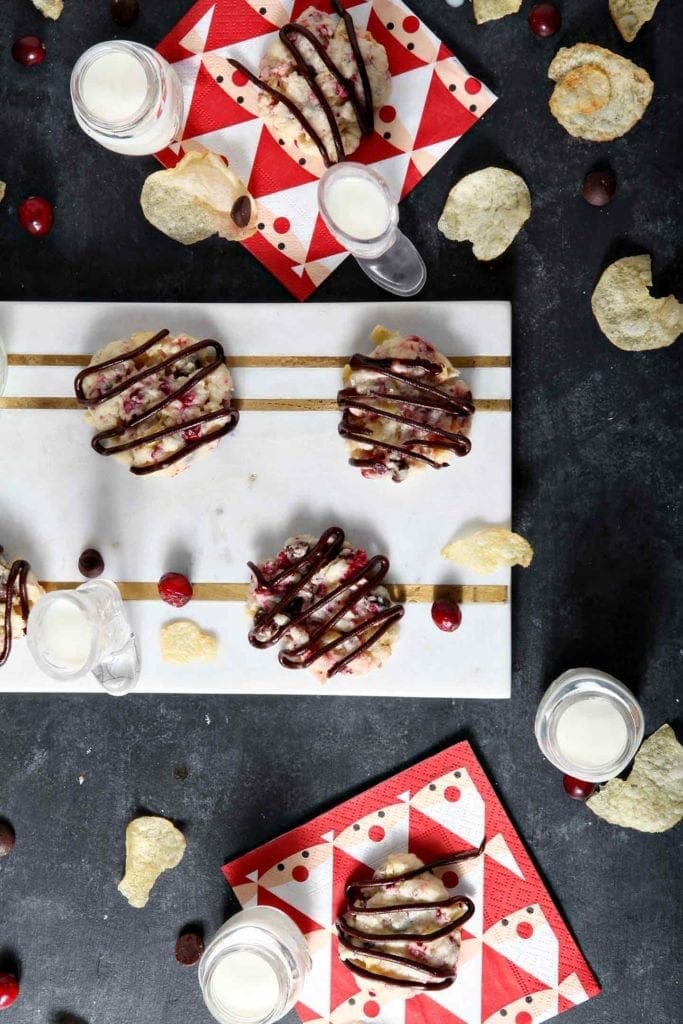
<point>124,12</point>
<point>577,789</point>
<point>599,187</point>
<point>9,990</point>
<point>29,50</point>
<point>175,589</point>
<point>36,216</point>
<point>544,19</point>
<point>7,838</point>
<point>446,615</point>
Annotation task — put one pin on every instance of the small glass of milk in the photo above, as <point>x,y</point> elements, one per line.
<point>72,633</point>
<point>358,208</point>
<point>254,968</point>
<point>127,97</point>
<point>589,725</point>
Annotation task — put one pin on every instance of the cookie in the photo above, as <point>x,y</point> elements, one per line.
<point>157,401</point>
<point>404,408</point>
<point>19,591</point>
<point>323,601</point>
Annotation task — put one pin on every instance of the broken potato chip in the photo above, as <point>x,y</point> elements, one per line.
<point>598,95</point>
<point>183,641</point>
<point>3,189</point>
<point>630,15</point>
<point>153,845</point>
<point>489,549</point>
<point>50,8</point>
<point>628,315</point>
<point>486,208</point>
<point>491,10</point>
<point>651,798</point>
<point>197,198</point>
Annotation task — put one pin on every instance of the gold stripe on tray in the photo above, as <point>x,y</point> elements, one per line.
<point>410,593</point>
<point>243,404</point>
<point>293,362</point>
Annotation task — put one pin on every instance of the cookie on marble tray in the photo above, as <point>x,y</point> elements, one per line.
<point>19,591</point>
<point>404,408</point>
<point>157,401</point>
<point>323,601</point>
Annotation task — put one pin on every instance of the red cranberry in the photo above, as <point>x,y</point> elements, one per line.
<point>9,990</point>
<point>577,789</point>
<point>7,838</point>
<point>446,615</point>
<point>91,563</point>
<point>544,20</point>
<point>36,216</point>
<point>189,948</point>
<point>124,12</point>
<point>599,187</point>
<point>29,50</point>
<point>175,589</point>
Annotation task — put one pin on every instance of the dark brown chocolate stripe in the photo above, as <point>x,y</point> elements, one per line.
<point>363,110</point>
<point>438,933</point>
<point>98,441</point>
<point>265,633</point>
<point>426,986</point>
<point>16,584</point>
<point>440,976</point>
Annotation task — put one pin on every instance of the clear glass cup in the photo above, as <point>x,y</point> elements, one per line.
<point>127,97</point>
<point>582,687</point>
<point>386,255</point>
<point>254,968</point>
<point>72,633</point>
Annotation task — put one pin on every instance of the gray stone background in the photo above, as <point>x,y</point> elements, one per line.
<point>597,473</point>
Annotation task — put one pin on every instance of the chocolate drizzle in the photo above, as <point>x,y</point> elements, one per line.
<point>414,391</point>
<point>101,439</point>
<point>15,587</point>
<point>362,108</point>
<point>312,619</point>
<point>364,943</point>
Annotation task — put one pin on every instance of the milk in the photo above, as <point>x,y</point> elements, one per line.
<point>358,207</point>
<point>591,732</point>
<point>245,986</point>
<point>66,635</point>
<point>114,87</point>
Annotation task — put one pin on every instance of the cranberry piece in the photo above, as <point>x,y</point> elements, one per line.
<point>191,434</point>
<point>189,948</point>
<point>175,589</point>
<point>124,12</point>
<point>29,50</point>
<point>599,187</point>
<point>91,563</point>
<point>36,216</point>
<point>9,990</point>
<point>7,838</point>
<point>577,789</point>
<point>446,615</point>
<point>544,19</point>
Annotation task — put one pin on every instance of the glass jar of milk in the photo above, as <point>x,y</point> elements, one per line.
<point>127,97</point>
<point>254,968</point>
<point>589,725</point>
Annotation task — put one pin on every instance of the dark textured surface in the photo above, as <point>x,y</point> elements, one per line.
<point>597,476</point>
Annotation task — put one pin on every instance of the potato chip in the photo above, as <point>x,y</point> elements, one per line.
<point>3,189</point>
<point>183,641</point>
<point>489,549</point>
<point>630,317</point>
<point>490,10</point>
<point>598,94</point>
<point>153,845</point>
<point>651,798</point>
<point>197,198</point>
<point>50,8</point>
<point>630,15</point>
<point>487,208</point>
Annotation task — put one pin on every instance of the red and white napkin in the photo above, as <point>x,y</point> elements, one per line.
<point>518,963</point>
<point>433,102</point>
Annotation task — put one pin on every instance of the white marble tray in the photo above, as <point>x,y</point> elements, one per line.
<point>282,471</point>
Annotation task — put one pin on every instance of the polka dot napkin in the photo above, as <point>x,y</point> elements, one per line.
<point>433,102</point>
<point>518,963</point>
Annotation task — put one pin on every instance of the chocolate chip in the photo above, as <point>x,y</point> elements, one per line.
<point>7,838</point>
<point>189,948</point>
<point>124,12</point>
<point>599,187</point>
<point>241,211</point>
<point>91,563</point>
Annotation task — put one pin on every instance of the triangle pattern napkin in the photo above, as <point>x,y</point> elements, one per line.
<point>432,104</point>
<point>518,962</point>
